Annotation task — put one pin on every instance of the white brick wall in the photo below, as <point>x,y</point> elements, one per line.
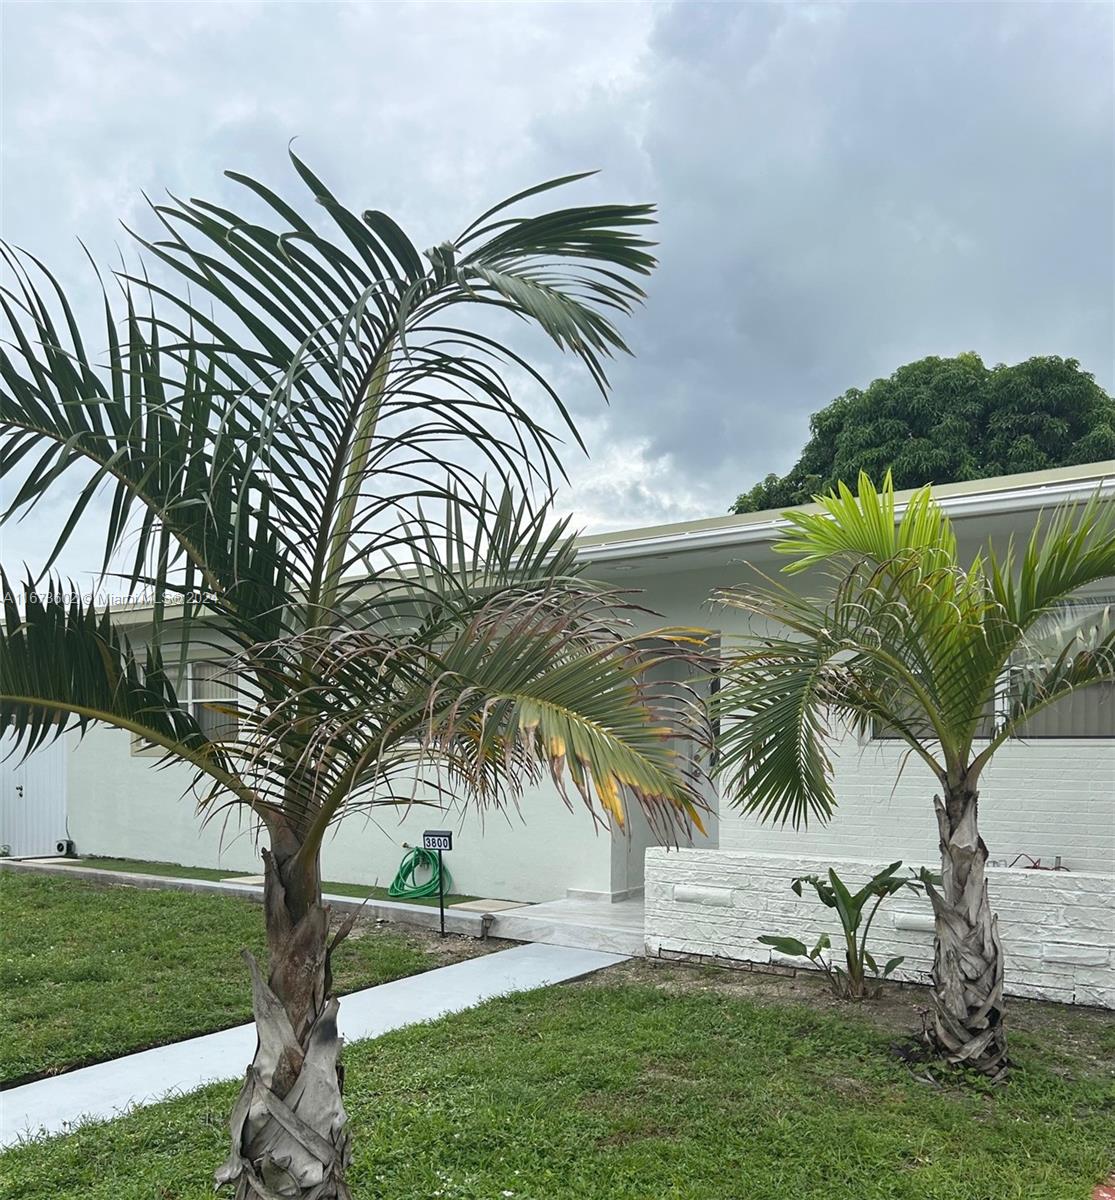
<point>1041,798</point>
<point>1057,927</point>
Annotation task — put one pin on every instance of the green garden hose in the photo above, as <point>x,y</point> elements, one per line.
<point>416,860</point>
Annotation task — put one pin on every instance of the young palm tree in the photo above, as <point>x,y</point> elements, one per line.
<point>294,431</point>
<point>951,659</point>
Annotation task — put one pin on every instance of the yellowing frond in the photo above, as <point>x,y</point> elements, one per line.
<point>607,792</point>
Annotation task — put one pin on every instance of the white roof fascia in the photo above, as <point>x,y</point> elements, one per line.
<point>1012,500</point>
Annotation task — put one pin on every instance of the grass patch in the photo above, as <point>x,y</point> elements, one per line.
<point>91,972</point>
<point>633,1086</point>
<point>359,891</point>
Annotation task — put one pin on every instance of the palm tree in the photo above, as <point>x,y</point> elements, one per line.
<point>295,432</point>
<point>951,659</point>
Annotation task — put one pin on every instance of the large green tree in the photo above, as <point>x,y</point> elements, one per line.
<point>313,460</point>
<point>945,420</point>
<point>951,657</point>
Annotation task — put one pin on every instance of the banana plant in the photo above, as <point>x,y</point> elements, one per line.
<point>313,448</point>
<point>851,981</point>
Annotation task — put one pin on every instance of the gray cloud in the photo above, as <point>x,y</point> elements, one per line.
<point>842,188</point>
<point>845,189</point>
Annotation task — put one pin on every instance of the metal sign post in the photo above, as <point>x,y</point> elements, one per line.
<point>439,840</point>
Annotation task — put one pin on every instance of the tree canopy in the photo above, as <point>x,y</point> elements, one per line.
<point>945,420</point>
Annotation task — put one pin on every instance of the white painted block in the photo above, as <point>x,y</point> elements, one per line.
<point>789,960</point>
<point>1098,997</point>
<point>715,897</point>
<point>1076,955</point>
<point>1093,977</point>
<point>1092,917</point>
<point>922,922</point>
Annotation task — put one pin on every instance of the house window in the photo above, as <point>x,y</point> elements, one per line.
<point>209,693</point>
<point>1087,713</point>
<point>212,697</point>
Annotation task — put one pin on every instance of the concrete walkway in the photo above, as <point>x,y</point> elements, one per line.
<point>107,1089</point>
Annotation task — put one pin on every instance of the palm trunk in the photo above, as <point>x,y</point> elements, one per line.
<point>290,1138</point>
<point>967,974</point>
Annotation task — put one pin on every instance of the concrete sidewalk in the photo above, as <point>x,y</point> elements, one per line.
<point>104,1091</point>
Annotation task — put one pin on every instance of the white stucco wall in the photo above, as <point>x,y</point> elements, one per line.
<point>535,853</point>
<point>125,806</point>
<point>1057,927</point>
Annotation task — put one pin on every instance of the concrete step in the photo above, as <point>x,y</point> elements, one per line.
<point>558,925</point>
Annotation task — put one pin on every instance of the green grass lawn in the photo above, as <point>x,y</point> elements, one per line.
<point>359,891</point>
<point>644,1084</point>
<point>90,972</point>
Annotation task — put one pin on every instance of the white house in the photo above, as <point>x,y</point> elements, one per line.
<point>1049,800</point>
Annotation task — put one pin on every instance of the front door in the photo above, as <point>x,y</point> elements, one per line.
<point>32,799</point>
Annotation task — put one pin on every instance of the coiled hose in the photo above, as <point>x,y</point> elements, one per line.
<point>415,860</point>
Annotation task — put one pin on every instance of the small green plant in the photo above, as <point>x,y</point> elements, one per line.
<point>851,981</point>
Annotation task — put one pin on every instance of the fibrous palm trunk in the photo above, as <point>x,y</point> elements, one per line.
<point>967,974</point>
<point>290,1135</point>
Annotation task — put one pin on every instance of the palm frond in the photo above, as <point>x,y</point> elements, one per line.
<point>310,380</point>
<point>296,430</point>
<point>865,525</point>
<point>484,694</point>
<point>808,671</point>
<point>1070,549</point>
<point>774,732</point>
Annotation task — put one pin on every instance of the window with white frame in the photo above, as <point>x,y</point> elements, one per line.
<point>209,693</point>
<point>1090,711</point>
<point>1086,713</point>
<point>212,699</point>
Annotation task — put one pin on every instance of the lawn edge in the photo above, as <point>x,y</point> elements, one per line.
<point>470,924</point>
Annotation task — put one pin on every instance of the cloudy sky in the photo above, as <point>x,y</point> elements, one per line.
<point>843,188</point>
